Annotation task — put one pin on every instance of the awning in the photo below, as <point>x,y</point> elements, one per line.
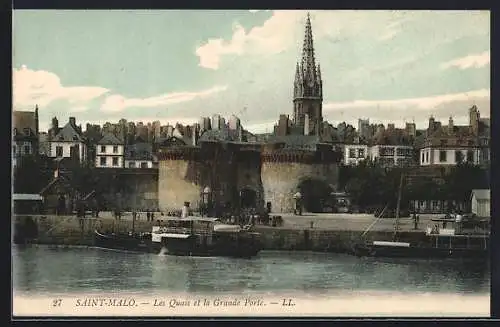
<point>227,228</point>
<point>181,236</point>
<point>396,244</point>
<point>26,197</point>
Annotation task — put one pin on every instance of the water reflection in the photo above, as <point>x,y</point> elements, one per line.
<point>43,269</point>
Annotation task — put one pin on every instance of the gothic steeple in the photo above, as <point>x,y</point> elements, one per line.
<point>308,86</point>
<point>308,53</point>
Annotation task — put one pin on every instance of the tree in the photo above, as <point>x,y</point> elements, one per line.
<point>463,178</point>
<point>27,176</point>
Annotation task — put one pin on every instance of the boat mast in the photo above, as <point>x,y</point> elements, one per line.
<point>396,225</point>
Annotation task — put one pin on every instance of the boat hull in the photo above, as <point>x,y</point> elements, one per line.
<point>420,252</point>
<point>179,247</point>
<point>125,242</point>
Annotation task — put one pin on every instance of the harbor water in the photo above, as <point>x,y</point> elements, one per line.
<point>44,270</point>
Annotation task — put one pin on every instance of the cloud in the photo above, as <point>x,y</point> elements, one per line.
<point>284,29</point>
<point>392,30</point>
<point>117,103</point>
<point>78,109</point>
<point>400,110</point>
<point>41,87</point>
<point>471,61</point>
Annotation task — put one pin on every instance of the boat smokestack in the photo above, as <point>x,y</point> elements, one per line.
<point>185,210</point>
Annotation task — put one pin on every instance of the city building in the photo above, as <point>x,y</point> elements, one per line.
<point>25,140</point>
<point>481,203</point>
<point>353,154</point>
<point>67,142</point>
<point>392,155</point>
<point>139,155</point>
<point>234,122</point>
<point>364,130</point>
<point>109,152</point>
<point>452,144</point>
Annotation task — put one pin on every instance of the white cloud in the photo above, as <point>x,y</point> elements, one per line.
<point>41,87</point>
<point>117,103</point>
<point>424,103</point>
<point>78,109</point>
<point>471,61</point>
<point>284,29</point>
<point>399,111</point>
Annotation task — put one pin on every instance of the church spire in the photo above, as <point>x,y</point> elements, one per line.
<point>308,86</point>
<point>308,61</point>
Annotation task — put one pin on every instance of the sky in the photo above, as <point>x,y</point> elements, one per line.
<point>178,65</point>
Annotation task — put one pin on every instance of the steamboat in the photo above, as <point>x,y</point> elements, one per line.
<point>440,243</point>
<point>187,236</point>
<point>464,239</point>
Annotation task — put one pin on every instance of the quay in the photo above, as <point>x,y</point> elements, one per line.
<point>328,232</point>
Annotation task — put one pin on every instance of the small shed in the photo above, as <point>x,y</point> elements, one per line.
<point>480,202</point>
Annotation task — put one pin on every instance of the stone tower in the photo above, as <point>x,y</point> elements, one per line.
<point>308,87</point>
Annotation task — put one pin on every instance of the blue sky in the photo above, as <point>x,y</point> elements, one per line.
<point>175,66</point>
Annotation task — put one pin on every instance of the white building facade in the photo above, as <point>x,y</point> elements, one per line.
<point>353,154</point>
<point>387,155</point>
<point>434,155</point>
<point>109,152</point>
<point>68,143</point>
<point>392,155</point>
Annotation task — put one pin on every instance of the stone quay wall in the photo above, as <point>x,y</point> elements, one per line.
<point>69,230</point>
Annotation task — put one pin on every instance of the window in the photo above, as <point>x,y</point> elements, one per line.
<point>26,131</point>
<point>115,161</point>
<point>75,138</point>
<point>470,142</point>
<point>115,149</point>
<point>352,153</point>
<point>427,157</point>
<point>27,149</point>
<point>131,164</point>
<point>361,153</point>
<point>59,151</point>
<point>442,156</point>
<point>470,156</point>
<point>103,149</point>
<point>458,156</point>
<point>144,165</point>
<point>387,151</point>
<point>102,161</point>
<point>14,149</point>
<point>423,157</point>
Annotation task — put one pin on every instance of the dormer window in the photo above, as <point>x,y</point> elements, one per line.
<point>15,131</point>
<point>26,131</point>
<point>61,138</point>
<point>75,138</point>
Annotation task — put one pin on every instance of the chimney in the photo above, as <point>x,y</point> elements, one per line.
<point>194,136</point>
<point>306,124</point>
<point>450,125</point>
<point>72,121</point>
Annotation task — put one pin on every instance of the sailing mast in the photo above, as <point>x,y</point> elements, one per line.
<point>396,225</point>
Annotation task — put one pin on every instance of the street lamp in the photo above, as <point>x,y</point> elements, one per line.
<point>205,198</point>
<point>298,205</point>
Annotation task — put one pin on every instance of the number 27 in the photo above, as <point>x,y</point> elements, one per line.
<point>56,302</point>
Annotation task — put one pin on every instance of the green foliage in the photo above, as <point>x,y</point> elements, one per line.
<point>27,176</point>
<point>371,185</point>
